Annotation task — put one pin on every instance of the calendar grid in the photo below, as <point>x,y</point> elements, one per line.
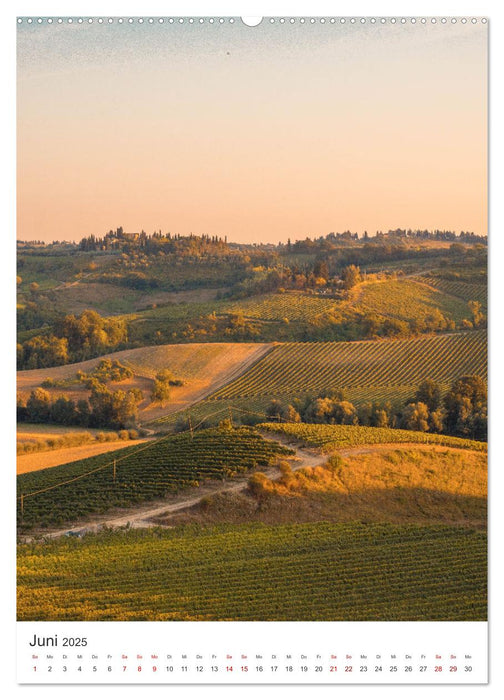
<point>235,653</point>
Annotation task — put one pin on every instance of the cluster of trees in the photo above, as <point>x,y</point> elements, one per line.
<point>35,314</point>
<point>231,327</point>
<point>478,318</point>
<point>131,279</point>
<point>332,325</point>
<point>35,242</point>
<point>103,409</point>
<point>121,240</point>
<point>461,412</point>
<point>72,339</point>
<point>465,408</point>
<point>263,280</point>
<point>347,237</point>
<point>42,351</point>
<point>90,334</point>
<point>162,384</point>
<point>105,371</point>
<point>74,440</point>
<point>435,235</point>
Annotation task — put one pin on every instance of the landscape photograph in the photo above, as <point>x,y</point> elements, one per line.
<point>251,320</point>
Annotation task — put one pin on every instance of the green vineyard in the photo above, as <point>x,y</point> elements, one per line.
<point>464,290</point>
<point>312,571</point>
<point>403,298</point>
<point>406,299</point>
<point>134,475</point>
<point>211,411</point>
<point>333,437</point>
<point>294,369</point>
<point>381,370</point>
<point>293,306</point>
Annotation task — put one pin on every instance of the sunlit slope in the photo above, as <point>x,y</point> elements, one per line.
<point>202,367</point>
<point>408,299</point>
<point>365,370</point>
<point>402,484</point>
<point>468,291</point>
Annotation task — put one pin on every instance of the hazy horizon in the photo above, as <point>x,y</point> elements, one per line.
<point>232,241</point>
<point>258,134</point>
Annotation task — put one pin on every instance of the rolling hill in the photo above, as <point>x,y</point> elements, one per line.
<point>202,367</point>
<point>378,370</point>
<point>375,366</point>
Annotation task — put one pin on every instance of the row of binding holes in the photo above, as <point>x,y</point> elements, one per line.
<point>130,20</point>
<point>231,20</point>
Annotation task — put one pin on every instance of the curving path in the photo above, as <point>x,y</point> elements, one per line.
<point>140,517</point>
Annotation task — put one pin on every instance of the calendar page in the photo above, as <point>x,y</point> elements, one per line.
<point>251,349</point>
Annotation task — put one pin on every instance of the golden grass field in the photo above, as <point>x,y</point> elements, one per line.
<point>412,484</point>
<point>33,462</point>
<point>34,432</point>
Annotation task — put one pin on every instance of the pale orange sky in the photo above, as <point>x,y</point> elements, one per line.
<point>258,133</point>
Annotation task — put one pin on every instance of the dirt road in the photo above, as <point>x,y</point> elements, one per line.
<point>140,517</point>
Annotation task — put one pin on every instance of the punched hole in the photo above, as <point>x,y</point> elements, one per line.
<point>251,21</point>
